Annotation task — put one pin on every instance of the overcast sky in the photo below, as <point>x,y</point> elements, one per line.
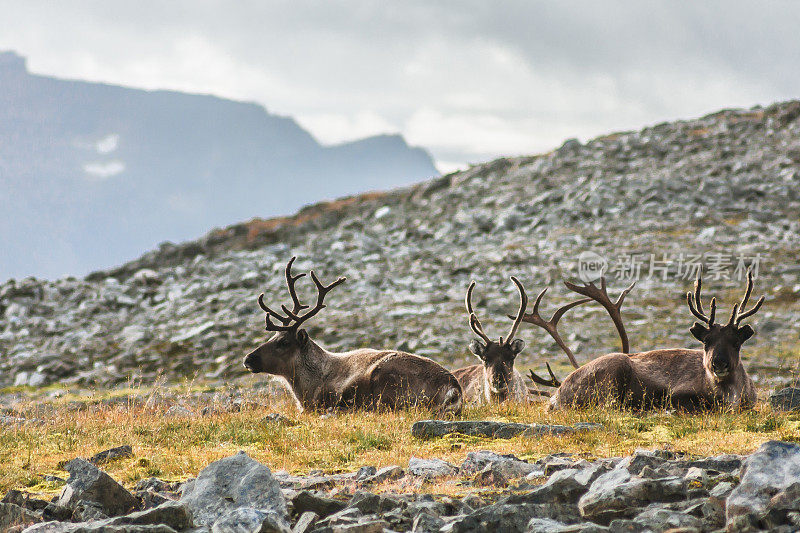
<point>467,80</point>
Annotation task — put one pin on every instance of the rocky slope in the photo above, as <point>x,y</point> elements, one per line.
<point>93,174</point>
<point>722,186</point>
<point>649,491</point>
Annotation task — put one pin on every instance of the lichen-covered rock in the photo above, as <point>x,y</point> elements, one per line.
<point>231,483</point>
<point>249,520</point>
<point>14,515</point>
<point>87,483</point>
<point>769,471</point>
<point>430,468</point>
<point>619,493</point>
<point>429,429</point>
<point>508,466</point>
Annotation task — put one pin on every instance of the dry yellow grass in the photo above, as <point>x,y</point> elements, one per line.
<point>176,449</point>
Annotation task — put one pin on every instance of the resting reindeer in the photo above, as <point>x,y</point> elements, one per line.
<point>495,379</point>
<point>681,378</point>
<point>363,378</point>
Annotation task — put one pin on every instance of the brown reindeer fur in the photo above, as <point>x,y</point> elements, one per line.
<point>681,378</point>
<point>360,379</point>
<point>671,377</point>
<point>477,388</point>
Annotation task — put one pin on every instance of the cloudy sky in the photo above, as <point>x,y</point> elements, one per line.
<point>467,80</point>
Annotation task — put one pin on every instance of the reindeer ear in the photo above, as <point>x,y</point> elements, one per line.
<point>517,346</point>
<point>302,337</point>
<point>477,347</point>
<point>699,331</point>
<point>745,332</point>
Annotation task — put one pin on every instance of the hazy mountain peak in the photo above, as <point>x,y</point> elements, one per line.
<point>94,174</point>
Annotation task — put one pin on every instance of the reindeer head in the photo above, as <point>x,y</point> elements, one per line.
<point>498,357</point>
<point>280,353</point>
<point>721,344</point>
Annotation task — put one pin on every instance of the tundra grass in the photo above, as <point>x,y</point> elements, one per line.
<point>176,449</point>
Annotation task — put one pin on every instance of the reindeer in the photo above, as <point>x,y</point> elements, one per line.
<point>681,378</point>
<point>495,379</point>
<point>359,379</point>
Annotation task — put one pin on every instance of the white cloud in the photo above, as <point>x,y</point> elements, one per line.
<point>469,80</point>
<point>107,144</point>
<point>103,170</point>
<point>332,128</point>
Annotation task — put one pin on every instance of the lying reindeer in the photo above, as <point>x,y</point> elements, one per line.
<point>363,378</point>
<point>681,378</point>
<point>495,379</point>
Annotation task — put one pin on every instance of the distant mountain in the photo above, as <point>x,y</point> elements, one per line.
<point>94,174</point>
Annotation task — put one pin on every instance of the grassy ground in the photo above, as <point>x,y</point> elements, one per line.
<point>176,449</point>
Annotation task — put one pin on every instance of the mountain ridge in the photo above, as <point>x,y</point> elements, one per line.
<point>96,173</point>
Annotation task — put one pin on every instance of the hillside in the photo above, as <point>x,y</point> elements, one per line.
<point>94,174</point>
<point>723,185</point>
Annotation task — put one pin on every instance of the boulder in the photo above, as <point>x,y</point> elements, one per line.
<point>232,483</point>
<point>429,429</point>
<point>96,527</point>
<point>770,470</point>
<point>112,454</point>
<point>14,515</point>
<point>249,520</point>
<point>87,483</point>
<point>787,399</point>
<point>430,468</point>
<point>508,466</point>
<point>618,494</point>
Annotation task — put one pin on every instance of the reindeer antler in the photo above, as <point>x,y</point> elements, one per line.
<point>292,320</point>
<point>600,295</point>
<point>523,305</point>
<point>475,324</point>
<point>552,382</point>
<point>737,313</point>
<point>695,300</point>
<point>741,316</point>
<point>550,326</point>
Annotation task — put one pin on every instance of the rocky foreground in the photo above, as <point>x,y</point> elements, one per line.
<point>647,491</point>
<point>709,191</point>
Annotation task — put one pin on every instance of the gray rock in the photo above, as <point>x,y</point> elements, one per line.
<point>773,468</point>
<point>506,465</point>
<point>249,520</point>
<point>96,527</point>
<point>430,468</point>
<point>617,494</point>
<point>88,483</point>
<point>112,454</point>
<point>179,411</point>
<point>14,515</point>
<point>306,522</point>
<point>370,526</point>
<point>369,503</point>
<point>567,485</point>
<point>307,501</point>
<point>500,518</point>
<point>173,514</point>
<point>429,429</point>
<point>230,483</point>
<point>660,520</point>
<point>787,399</point>
<point>543,525</point>
<point>427,522</point>
<point>387,473</point>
